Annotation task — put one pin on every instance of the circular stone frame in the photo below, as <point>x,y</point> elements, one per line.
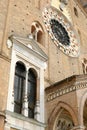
<point>68,41</point>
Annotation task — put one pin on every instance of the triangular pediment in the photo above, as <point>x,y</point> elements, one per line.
<point>31,44</point>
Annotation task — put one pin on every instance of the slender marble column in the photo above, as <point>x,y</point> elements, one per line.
<point>37,106</point>
<point>25,97</point>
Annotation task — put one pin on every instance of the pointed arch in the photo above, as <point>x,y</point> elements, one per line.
<point>57,111</point>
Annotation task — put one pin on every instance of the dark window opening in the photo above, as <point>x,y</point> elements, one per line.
<point>39,37</point>
<point>60,32</point>
<point>33,31</point>
<point>31,93</point>
<point>19,83</point>
<point>75,12</point>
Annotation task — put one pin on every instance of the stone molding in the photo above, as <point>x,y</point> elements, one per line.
<point>15,116</point>
<point>79,84</point>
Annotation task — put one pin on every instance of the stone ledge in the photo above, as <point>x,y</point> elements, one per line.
<point>23,118</point>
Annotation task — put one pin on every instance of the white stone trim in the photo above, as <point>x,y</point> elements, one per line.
<point>14,120</point>
<point>22,53</point>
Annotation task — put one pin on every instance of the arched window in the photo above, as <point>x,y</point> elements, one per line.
<point>39,36</point>
<point>19,82</point>
<point>33,31</point>
<point>37,32</point>
<point>31,93</point>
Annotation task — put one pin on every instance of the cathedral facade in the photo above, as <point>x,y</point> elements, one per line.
<point>43,65</point>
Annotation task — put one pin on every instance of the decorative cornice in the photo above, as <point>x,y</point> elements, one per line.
<point>60,92</point>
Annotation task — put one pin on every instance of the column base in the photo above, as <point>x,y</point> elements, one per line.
<point>25,109</point>
<point>37,111</point>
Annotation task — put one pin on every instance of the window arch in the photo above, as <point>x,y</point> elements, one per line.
<point>37,32</point>
<point>39,36</point>
<point>33,31</point>
<point>19,82</point>
<point>20,85</point>
<point>31,92</point>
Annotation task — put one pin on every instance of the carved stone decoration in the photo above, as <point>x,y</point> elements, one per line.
<point>63,6</point>
<point>9,43</point>
<point>61,31</point>
<point>84,65</point>
<point>64,121</point>
<point>77,83</point>
<point>63,124</point>
<point>63,3</point>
